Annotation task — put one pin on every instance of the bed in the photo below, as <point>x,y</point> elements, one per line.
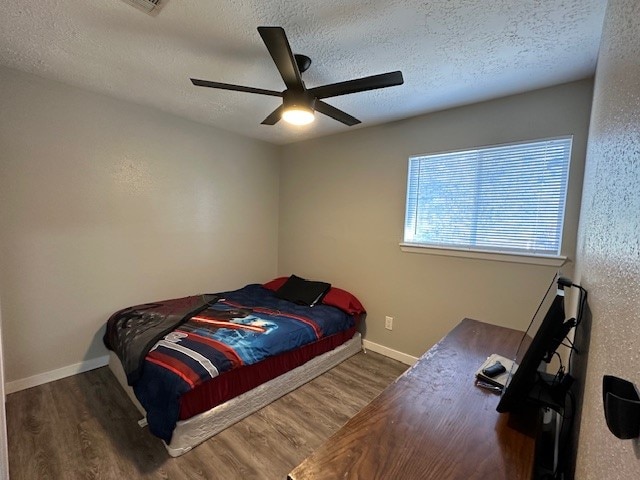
<point>196,365</point>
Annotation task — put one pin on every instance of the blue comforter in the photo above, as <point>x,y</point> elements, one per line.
<point>245,327</point>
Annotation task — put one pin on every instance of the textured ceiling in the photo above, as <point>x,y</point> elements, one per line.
<point>451,52</point>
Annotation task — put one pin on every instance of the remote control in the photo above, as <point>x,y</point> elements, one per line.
<point>494,370</point>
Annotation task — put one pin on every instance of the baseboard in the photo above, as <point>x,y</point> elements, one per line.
<point>389,352</point>
<point>57,374</point>
<point>42,378</point>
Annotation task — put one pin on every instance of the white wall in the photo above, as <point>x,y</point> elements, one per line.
<point>342,201</point>
<point>609,241</point>
<point>105,204</point>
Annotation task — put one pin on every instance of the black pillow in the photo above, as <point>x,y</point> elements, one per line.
<point>303,292</point>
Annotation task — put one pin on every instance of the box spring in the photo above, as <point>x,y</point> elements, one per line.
<point>203,424</point>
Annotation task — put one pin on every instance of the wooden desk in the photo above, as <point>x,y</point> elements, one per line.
<point>433,422</point>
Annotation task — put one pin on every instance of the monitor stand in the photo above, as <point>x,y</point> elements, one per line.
<point>547,392</point>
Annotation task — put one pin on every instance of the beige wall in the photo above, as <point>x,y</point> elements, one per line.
<point>105,204</point>
<point>342,201</point>
<point>609,241</point>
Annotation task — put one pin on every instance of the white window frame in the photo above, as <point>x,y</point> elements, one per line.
<point>478,253</point>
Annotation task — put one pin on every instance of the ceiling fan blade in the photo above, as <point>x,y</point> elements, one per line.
<point>273,117</point>
<point>336,114</point>
<point>373,82</point>
<point>276,41</point>
<point>237,88</point>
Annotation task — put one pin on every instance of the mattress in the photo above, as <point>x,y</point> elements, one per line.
<point>192,431</point>
<point>184,358</point>
<point>238,381</point>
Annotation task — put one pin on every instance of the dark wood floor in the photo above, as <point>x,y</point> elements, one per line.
<point>85,427</point>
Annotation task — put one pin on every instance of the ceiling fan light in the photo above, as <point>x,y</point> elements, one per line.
<point>298,115</point>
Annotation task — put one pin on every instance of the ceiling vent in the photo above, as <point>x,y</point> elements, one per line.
<point>151,7</point>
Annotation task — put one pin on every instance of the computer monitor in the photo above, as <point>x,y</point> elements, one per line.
<point>537,347</point>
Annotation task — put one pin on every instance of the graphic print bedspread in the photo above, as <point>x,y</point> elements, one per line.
<point>244,327</point>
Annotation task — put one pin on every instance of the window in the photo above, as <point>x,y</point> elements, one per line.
<point>503,198</point>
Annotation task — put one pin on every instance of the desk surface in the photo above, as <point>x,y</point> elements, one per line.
<point>433,422</point>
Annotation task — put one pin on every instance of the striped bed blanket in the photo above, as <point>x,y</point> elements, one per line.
<point>219,333</point>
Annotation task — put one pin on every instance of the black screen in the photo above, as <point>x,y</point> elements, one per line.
<point>520,382</point>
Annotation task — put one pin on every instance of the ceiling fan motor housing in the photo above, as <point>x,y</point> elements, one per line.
<point>298,99</point>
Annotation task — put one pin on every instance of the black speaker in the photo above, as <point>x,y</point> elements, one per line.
<point>621,407</point>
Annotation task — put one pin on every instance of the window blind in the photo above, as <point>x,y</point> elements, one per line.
<point>504,198</point>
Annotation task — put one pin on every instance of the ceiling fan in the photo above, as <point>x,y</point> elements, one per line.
<point>299,102</point>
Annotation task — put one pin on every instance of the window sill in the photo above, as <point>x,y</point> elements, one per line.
<point>546,260</point>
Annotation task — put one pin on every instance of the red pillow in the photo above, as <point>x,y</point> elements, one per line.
<point>343,300</point>
<point>275,284</point>
<point>336,297</point>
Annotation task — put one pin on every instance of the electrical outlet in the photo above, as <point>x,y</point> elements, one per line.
<point>388,323</point>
